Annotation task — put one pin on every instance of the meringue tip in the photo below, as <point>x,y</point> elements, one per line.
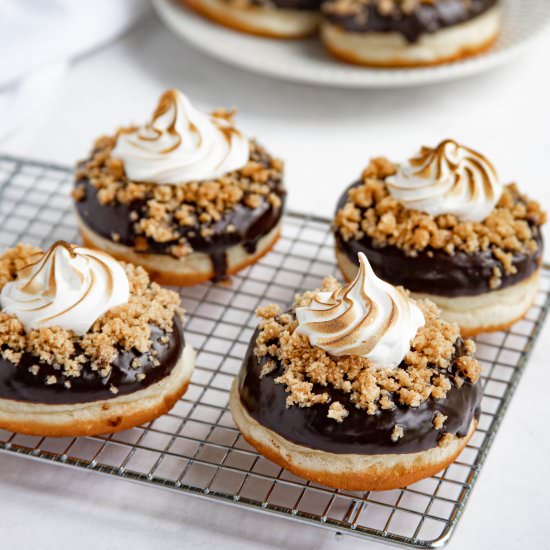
<point>365,268</point>
<point>68,286</point>
<point>449,178</point>
<point>368,318</point>
<point>181,144</point>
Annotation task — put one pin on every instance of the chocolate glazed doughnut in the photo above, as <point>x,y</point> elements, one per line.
<point>359,433</point>
<point>369,32</point>
<point>89,346</point>
<point>92,408</point>
<point>358,387</point>
<point>425,18</point>
<point>186,195</point>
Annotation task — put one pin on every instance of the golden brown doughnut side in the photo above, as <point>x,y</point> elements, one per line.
<point>466,52</point>
<point>238,24</point>
<point>110,417</point>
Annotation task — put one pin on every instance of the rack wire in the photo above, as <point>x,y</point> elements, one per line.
<point>195,448</point>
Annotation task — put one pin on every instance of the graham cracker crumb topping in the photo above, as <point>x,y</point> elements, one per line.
<point>387,8</point>
<point>439,420</point>
<point>370,211</point>
<point>337,411</point>
<point>123,328</point>
<point>428,370</point>
<point>397,433</point>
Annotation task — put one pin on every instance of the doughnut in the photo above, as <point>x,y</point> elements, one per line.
<point>186,196</point>
<point>358,387</point>
<point>444,227</point>
<point>89,346</point>
<point>399,33</point>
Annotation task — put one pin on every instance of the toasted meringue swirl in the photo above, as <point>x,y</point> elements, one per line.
<point>67,286</point>
<point>450,179</point>
<point>181,144</point>
<point>368,317</point>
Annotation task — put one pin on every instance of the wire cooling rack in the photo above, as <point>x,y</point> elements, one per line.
<point>196,449</point>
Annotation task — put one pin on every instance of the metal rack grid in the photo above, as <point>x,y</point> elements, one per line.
<point>196,449</point>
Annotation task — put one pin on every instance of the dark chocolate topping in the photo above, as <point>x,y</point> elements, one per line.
<point>359,432</point>
<point>433,271</point>
<point>426,18</point>
<point>20,384</point>
<point>311,5</point>
<point>250,224</point>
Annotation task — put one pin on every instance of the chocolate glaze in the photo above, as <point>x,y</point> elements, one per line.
<point>433,271</point>
<point>311,5</point>
<point>251,225</point>
<point>302,5</point>
<point>359,433</point>
<point>19,384</point>
<point>426,18</point>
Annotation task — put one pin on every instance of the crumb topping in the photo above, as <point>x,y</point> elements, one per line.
<point>122,328</point>
<point>386,8</point>
<point>337,411</point>
<point>371,211</point>
<point>165,209</point>
<point>397,433</point>
<point>429,370</point>
<point>394,9</point>
<point>439,420</point>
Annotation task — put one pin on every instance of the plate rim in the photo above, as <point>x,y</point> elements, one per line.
<point>175,16</point>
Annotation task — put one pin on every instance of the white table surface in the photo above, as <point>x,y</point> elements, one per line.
<point>326,137</point>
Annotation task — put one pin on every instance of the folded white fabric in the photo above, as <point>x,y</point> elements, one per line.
<point>38,38</point>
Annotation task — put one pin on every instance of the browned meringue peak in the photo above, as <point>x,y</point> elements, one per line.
<point>67,286</point>
<point>368,317</point>
<point>181,144</point>
<point>447,179</point>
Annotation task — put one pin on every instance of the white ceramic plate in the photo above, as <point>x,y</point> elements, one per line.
<point>306,60</point>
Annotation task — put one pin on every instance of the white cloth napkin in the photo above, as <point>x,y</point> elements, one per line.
<point>38,38</point>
